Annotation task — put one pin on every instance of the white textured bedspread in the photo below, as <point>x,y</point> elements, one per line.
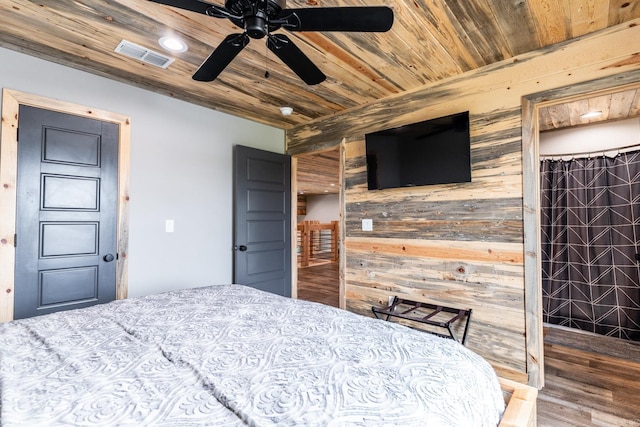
<point>230,355</point>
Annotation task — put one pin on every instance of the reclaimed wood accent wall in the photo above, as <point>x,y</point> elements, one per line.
<point>461,245</point>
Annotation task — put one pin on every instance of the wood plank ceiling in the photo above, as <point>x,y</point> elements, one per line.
<point>430,41</point>
<point>612,106</point>
<point>318,173</point>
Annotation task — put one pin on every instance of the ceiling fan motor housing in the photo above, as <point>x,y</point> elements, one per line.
<point>256,15</point>
<point>255,24</point>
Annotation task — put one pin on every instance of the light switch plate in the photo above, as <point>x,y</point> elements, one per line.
<point>168,226</point>
<point>367,225</point>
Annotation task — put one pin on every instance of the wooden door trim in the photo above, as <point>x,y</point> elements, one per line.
<point>11,101</point>
<point>531,104</point>
<point>342,250</point>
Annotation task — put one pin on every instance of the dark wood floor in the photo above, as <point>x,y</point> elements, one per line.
<point>320,284</point>
<point>590,380</point>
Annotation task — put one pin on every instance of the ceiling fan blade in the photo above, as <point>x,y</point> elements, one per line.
<point>365,19</point>
<point>221,57</point>
<point>192,5</point>
<point>295,59</point>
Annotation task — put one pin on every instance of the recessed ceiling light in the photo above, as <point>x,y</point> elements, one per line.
<point>591,114</point>
<point>173,44</point>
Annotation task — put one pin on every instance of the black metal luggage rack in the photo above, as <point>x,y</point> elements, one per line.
<point>415,313</point>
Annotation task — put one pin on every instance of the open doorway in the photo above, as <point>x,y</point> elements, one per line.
<point>590,237</point>
<point>573,364</point>
<point>317,177</point>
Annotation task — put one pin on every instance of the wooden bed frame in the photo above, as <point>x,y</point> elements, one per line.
<point>521,404</point>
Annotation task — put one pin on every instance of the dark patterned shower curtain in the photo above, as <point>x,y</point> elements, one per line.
<point>590,241</point>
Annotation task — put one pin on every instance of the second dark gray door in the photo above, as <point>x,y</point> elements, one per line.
<point>262,220</point>
<point>66,212</point>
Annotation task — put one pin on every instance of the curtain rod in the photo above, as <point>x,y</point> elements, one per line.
<point>602,153</point>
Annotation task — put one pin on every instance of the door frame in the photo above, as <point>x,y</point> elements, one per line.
<point>342,258</point>
<point>531,104</point>
<point>11,100</point>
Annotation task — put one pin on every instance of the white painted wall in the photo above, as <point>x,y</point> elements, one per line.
<point>599,137</point>
<point>323,208</point>
<point>181,169</point>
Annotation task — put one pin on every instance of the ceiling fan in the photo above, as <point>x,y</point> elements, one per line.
<point>260,18</point>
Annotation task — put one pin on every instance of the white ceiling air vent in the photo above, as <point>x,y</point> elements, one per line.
<point>143,54</point>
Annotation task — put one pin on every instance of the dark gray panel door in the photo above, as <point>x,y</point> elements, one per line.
<point>66,212</point>
<point>262,220</point>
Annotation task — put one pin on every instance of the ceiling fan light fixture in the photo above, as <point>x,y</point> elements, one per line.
<point>286,111</point>
<point>591,114</point>
<point>173,44</point>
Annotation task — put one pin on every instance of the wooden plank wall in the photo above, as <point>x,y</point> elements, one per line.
<point>462,244</point>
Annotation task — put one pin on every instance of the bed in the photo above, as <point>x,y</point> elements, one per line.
<point>231,355</point>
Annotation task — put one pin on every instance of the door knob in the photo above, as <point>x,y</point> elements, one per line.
<point>242,248</point>
<point>108,257</point>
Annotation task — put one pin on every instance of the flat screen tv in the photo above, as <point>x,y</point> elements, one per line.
<point>435,151</point>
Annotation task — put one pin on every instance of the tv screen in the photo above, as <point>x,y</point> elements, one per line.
<point>435,151</point>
